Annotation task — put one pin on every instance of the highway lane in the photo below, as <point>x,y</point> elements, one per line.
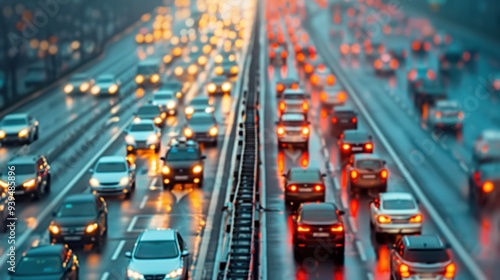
<point>435,168</point>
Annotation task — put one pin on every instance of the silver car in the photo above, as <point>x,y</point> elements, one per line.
<point>143,135</point>
<point>487,147</point>
<point>199,103</point>
<point>293,128</point>
<point>294,101</point>
<point>202,127</point>
<point>159,254</point>
<point>332,96</point>
<point>113,175</point>
<point>20,128</point>
<point>106,84</point>
<point>446,114</point>
<point>167,101</point>
<point>395,213</point>
<point>366,172</point>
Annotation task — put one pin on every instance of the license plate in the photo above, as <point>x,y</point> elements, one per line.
<point>181,177</point>
<point>72,238</point>
<point>369,176</point>
<point>357,149</point>
<point>344,121</point>
<point>321,234</point>
<point>305,190</point>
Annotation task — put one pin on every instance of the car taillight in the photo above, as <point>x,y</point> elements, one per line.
<point>450,270</point>
<point>305,130</point>
<point>431,75</point>
<point>368,146</point>
<point>342,96</point>
<point>378,64</point>
<point>496,84</point>
<point>438,115</point>
<point>281,130</point>
<point>294,86</point>
<point>383,219</point>
<point>404,270</point>
<point>346,147</point>
<point>412,75</point>
<point>356,49</point>
<point>334,120</point>
<point>292,188</point>
<point>314,79</point>
<point>466,56</point>
<point>477,176</point>
<point>354,120</point>
<point>416,219</point>
<point>318,188</point>
<point>272,54</point>
<point>488,187</point>
<point>284,54</point>
<point>280,87</point>
<point>282,106</point>
<point>323,96</point>
<point>303,229</point>
<point>427,46</point>
<point>338,228</point>
<point>301,57</point>
<point>308,68</point>
<point>305,106</point>
<point>461,115</point>
<point>415,45</point>
<point>384,174</point>
<point>330,80</point>
<point>394,64</point>
<point>344,49</point>
<point>354,174</point>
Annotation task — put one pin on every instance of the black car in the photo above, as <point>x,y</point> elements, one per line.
<point>451,59</point>
<point>484,184</point>
<point>486,147</point>
<point>304,185</point>
<point>183,163</point>
<point>354,142</point>
<point>319,225</point>
<point>427,93</point>
<point>174,86</point>
<point>286,83</point>
<point>4,207</point>
<point>421,257</point>
<point>47,262</point>
<point>81,219</point>
<point>151,112</point>
<point>343,118</point>
<point>32,176</point>
<point>417,74</point>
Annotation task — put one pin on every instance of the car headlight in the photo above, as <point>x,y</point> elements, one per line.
<point>167,59</point>
<point>2,134</point>
<point>174,273</point>
<point>158,120</point>
<point>153,138</point>
<point>178,94</point>
<point>188,132</point>
<point>211,87</point>
<point>192,69</point>
<point>30,183</point>
<point>91,228</point>
<point>84,86</point>
<point>129,139</point>
<point>134,275</point>
<point>213,131</point>
<point>197,169</point>
<point>94,182</point>
<point>54,229</point>
<point>202,60</point>
<point>124,181</point>
<point>165,170</point>
<point>171,105</point>
<point>226,86</point>
<point>4,184</point>
<point>155,78</point>
<point>178,71</point>
<point>219,70</point>
<point>209,109</point>
<point>2,207</point>
<point>234,70</point>
<point>139,79</point>
<point>68,88</point>
<point>23,133</point>
<point>113,88</point>
<point>189,110</point>
<point>95,90</point>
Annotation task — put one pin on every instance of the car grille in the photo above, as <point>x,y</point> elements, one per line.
<point>140,143</point>
<point>13,135</point>
<point>72,230</point>
<point>154,276</point>
<point>182,171</point>
<point>109,184</point>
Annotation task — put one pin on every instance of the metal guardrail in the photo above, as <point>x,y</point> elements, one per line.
<point>243,226</point>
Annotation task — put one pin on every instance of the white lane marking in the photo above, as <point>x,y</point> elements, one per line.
<point>361,250</point>
<point>464,167</point>
<point>352,224</point>
<point>343,199</point>
<point>105,276</point>
<point>369,275</point>
<point>118,250</point>
<point>326,154</point>
<point>143,202</point>
<point>331,169</point>
<point>153,182</point>
<point>131,226</point>
<point>323,142</point>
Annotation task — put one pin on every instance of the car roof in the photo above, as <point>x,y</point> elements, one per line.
<point>111,159</point>
<point>396,195</point>
<point>491,134</point>
<point>343,109</point>
<point>364,156</point>
<point>292,117</point>
<point>23,159</point>
<point>150,61</point>
<point>80,197</point>
<point>15,116</point>
<point>158,235</point>
<point>201,114</point>
<point>43,250</point>
<point>106,76</point>
<point>356,135</point>
<point>143,121</point>
<point>447,103</point>
<point>490,170</point>
<point>219,78</point>
<point>318,206</point>
<point>201,97</point>
<point>164,92</point>
<point>423,242</point>
<point>308,175</point>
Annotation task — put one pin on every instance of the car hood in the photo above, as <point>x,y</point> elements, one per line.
<point>109,177</point>
<point>74,221</point>
<point>155,266</point>
<point>37,277</point>
<point>184,164</point>
<point>13,128</point>
<point>141,136</point>
<point>20,178</point>
<point>201,127</point>
<point>104,85</point>
<point>147,116</point>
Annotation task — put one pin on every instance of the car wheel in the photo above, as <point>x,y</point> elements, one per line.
<point>47,185</point>
<point>36,134</point>
<point>340,256</point>
<point>133,185</point>
<point>99,244</point>
<point>128,195</point>
<point>200,184</point>
<point>167,187</point>
<point>157,149</point>
<point>379,237</point>
<point>306,146</point>
<point>37,194</point>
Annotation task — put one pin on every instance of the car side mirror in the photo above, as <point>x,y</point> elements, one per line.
<point>203,157</point>
<point>128,255</point>
<point>185,253</point>
<point>341,212</point>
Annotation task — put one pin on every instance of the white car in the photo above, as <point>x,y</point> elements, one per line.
<point>332,96</point>
<point>19,128</point>
<point>200,103</point>
<point>143,135</point>
<point>167,101</point>
<point>106,84</point>
<point>395,213</point>
<point>113,175</point>
<point>159,252</point>
<point>294,101</point>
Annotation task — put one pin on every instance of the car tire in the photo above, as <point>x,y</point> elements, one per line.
<point>48,184</point>
<point>157,149</point>
<point>379,237</point>
<point>128,195</point>
<point>37,194</point>
<point>383,188</point>
<point>306,146</point>
<point>132,187</point>
<point>200,184</point>
<point>340,256</point>
<point>167,187</point>
<point>36,135</point>
<point>99,244</point>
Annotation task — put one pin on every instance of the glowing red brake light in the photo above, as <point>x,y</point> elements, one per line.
<point>280,87</point>
<point>346,147</point>
<point>368,146</point>
<point>318,188</point>
<point>334,120</point>
<point>292,188</point>
<point>394,64</point>
<point>338,228</point>
<point>466,56</point>
<point>294,86</point>
<point>272,54</point>
<point>284,54</point>
<point>416,45</point>
<point>412,75</point>
<point>488,187</point>
<point>431,75</point>
<point>378,64</point>
<point>427,46</point>
<point>301,57</point>
<point>303,229</point>
<point>282,106</point>
<point>354,120</point>
<point>450,270</point>
<point>330,80</point>
<point>384,174</point>
<point>354,174</point>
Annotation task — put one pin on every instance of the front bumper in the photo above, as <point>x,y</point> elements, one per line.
<point>20,190</point>
<point>293,139</point>
<point>111,190</point>
<point>142,145</point>
<point>76,238</point>
<point>14,138</point>
<point>183,178</point>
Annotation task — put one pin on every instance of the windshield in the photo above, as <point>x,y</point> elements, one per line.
<point>156,250</point>
<point>369,164</point>
<point>76,209</point>
<point>39,265</point>
<point>105,80</point>
<point>13,122</point>
<point>199,102</point>
<point>23,169</point>
<point>318,215</point>
<point>292,123</point>
<point>184,155</point>
<point>172,85</point>
<point>427,256</point>
<point>294,96</point>
<point>142,127</point>
<point>111,167</point>
<point>78,79</point>
<point>148,69</point>
<point>203,119</point>
<point>149,110</point>
<point>399,204</point>
<point>163,96</point>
